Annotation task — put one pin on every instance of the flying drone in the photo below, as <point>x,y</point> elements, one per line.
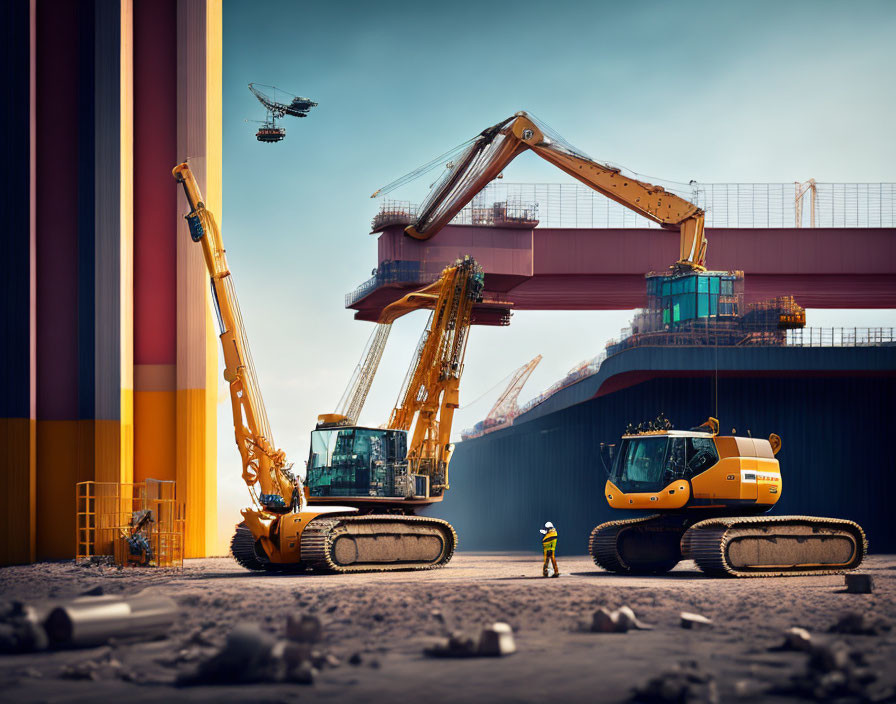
<point>278,104</point>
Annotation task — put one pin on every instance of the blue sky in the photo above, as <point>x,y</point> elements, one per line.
<point>713,91</point>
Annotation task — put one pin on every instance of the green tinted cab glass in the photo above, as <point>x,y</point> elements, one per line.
<point>649,464</point>
<point>355,461</point>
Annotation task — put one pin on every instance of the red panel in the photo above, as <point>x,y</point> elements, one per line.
<point>603,269</point>
<point>498,250</point>
<point>581,292</point>
<point>809,251</point>
<point>155,196</point>
<point>56,163</point>
<point>617,251</point>
<point>825,291</point>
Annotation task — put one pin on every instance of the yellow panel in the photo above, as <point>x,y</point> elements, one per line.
<point>127,436</point>
<point>18,483</point>
<point>154,433</point>
<point>674,495</point>
<point>65,456</point>
<point>193,472</point>
<point>721,481</point>
<point>108,444</point>
<point>214,200</point>
<point>213,544</point>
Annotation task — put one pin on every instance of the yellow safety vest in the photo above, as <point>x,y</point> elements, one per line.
<point>549,541</point>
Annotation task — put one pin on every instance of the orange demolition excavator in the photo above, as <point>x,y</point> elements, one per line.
<point>355,510</point>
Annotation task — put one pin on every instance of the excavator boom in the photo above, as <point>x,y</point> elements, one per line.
<point>498,145</point>
<point>262,463</point>
<point>431,390</point>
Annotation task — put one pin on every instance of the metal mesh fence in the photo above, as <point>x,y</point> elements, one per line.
<point>106,513</point>
<point>747,205</point>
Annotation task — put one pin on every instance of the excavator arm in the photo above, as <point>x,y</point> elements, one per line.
<point>262,463</point>
<point>430,393</point>
<point>498,145</point>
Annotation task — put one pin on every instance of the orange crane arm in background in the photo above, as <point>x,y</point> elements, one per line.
<point>506,404</point>
<point>262,463</point>
<point>497,146</point>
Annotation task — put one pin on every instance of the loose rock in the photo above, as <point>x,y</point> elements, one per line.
<point>604,621</point>
<point>20,631</point>
<point>497,640</point>
<point>87,670</point>
<point>833,672</point>
<point>684,685</point>
<point>859,583</point>
<point>797,639</point>
<point>694,621</point>
<point>857,624</point>
<point>749,689</point>
<point>494,641</point>
<point>304,628</point>
<point>245,657</point>
<point>303,674</point>
<point>621,620</point>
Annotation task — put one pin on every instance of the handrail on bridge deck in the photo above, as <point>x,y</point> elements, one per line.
<point>727,205</point>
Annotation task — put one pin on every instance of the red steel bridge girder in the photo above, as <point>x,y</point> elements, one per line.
<point>603,269</point>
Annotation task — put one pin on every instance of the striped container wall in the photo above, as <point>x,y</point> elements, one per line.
<point>107,354</point>
<point>18,468</point>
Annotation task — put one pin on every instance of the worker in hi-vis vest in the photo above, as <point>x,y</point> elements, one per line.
<point>549,545</point>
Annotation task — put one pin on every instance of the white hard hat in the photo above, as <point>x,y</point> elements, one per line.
<point>548,525</point>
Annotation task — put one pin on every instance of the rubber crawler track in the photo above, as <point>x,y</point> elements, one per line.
<point>242,547</point>
<point>707,543</point>
<point>319,536</point>
<point>603,543</point>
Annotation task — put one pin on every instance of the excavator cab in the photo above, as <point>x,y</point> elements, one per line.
<point>362,463</point>
<point>649,463</point>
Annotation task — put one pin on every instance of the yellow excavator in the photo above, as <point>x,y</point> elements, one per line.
<point>709,491</point>
<point>487,154</point>
<point>355,510</point>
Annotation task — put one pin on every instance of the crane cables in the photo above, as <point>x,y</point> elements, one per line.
<point>398,419</point>
<point>355,394</point>
<point>251,387</point>
<point>488,137</point>
<point>425,169</point>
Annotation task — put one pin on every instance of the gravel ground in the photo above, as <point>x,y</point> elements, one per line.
<point>382,623</point>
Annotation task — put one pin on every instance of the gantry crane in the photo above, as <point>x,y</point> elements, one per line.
<point>494,148</point>
<point>354,511</point>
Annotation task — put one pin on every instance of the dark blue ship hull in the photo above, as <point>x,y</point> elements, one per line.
<point>835,409</point>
